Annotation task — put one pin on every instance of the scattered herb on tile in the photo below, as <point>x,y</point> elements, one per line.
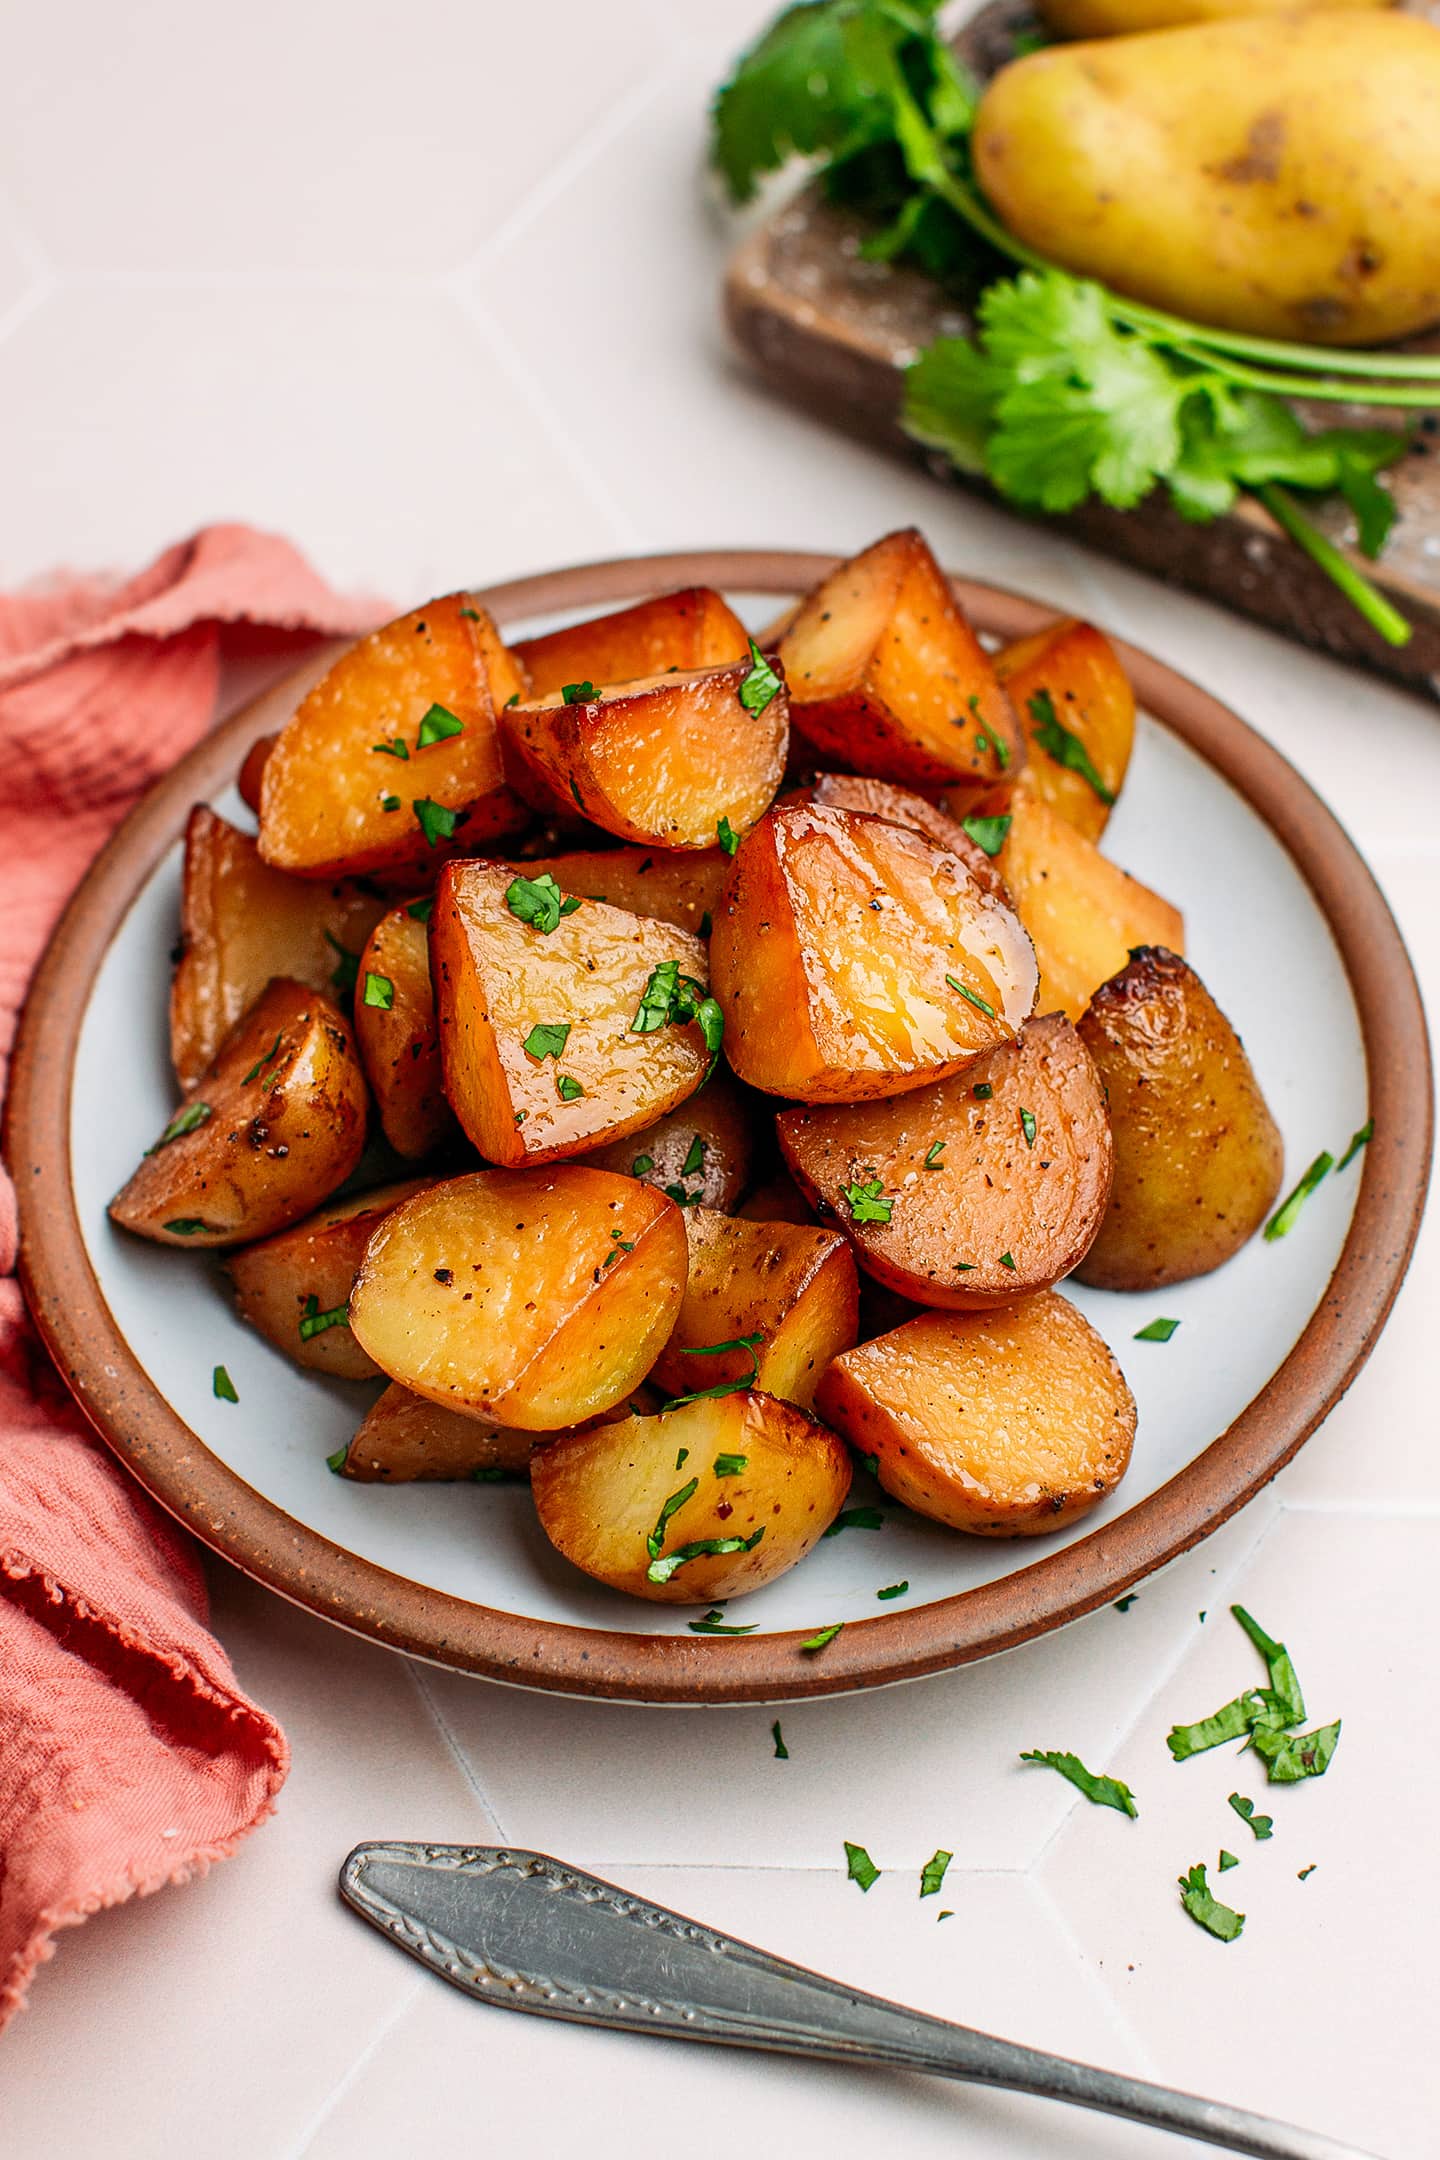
<point>1226,1861</point>
<point>1205,1908</point>
<point>1303,1872</point>
<point>859,1867</point>
<point>933,1872</point>
<point>948,1914</point>
<point>1262,1825</point>
<point>1103,1791</point>
<point>1289,1756</point>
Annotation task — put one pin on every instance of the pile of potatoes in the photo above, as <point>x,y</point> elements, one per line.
<point>673,1061</point>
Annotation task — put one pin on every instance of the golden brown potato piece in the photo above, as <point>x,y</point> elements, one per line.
<point>398,1038</point>
<point>854,791</point>
<point>1198,1157</point>
<point>964,1199</point>
<point>705,1502</point>
<point>1005,1423</point>
<point>778,1200</point>
<point>852,958</point>
<point>887,676</point>
<point>242,924</point>
<point>538,1298</point>
<point>795,1288</point>
<point>294,1288</point>
<point>674,887</point>
<point>267,1133</point>
<point>699,1154</point>
<point>404,1438</point>
<point>1120,18</point>
<point>1075,703</point>
<point>252,772</point>
<point>542,1055</point>
<point>681,630</point>
<point>1083,912</point>
<point>668,761</point>
<point>393,761</point>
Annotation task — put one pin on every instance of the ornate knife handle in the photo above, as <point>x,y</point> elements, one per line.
<point>525,1931</point>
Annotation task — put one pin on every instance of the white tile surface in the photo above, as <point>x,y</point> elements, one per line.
<point>436,293</point>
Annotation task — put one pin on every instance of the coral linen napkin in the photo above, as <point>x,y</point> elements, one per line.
<point>128,1756</point>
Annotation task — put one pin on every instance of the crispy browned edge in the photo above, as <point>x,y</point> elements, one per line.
<point>258,1537</point>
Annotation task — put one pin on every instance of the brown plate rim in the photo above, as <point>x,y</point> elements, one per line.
<point>228,1515</point>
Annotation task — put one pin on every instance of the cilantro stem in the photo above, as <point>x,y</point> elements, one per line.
<point>1337,390</point>
<point>1353,583</point>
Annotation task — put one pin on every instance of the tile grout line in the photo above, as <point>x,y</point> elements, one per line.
<point>460,1759</point>
<point>318,2119</point>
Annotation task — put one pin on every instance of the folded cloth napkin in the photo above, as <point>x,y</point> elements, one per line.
<point>129,1758</point>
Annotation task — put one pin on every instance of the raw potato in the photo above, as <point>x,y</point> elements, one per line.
<point>1275,174</point>
<point>539,1298</point>
<point>681,630</point>
<point>720,1120</point>
<point>1084,914</point>
<point>1076,667</point>
<point>1006,1423</point>
<point>285,1099</point>
<point>797,1288</point>
<point>887,676</point>
<point>990,1195</point>
<point>498,978</point>
<point>400,1041</point>
<point>1119,18</point>
<point>241,925</point>
<point>1198,1157</point>
<point>853,791</point>
<point>329,778</point>
<point>600,1496</point>
<point>660,761</point>
<point>405,1438</point>
<point>275,1280</point>
<point>674,887</point>
<point>251,776</point>
<point>831,952</point>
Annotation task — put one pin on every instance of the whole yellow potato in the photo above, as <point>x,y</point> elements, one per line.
<point>1121,18</point>
<point>1276,175</point>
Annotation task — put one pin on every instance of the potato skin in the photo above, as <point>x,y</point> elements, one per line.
<point>989,1192</point>
<point>1077,668</point>
<point>501,1292</point>
<point>287,1106</point>
<point>251,775</point>
<point>722,1118</point>
<point>796,1287</point>
<point>881,798</point>
<point>1083,912</point>
<point>599,1495</point>
<point>1008,1423</point>
<point>404,1439</point>
<point>685,630</point>
<point>1198,1157</point>
<point>275,1279</point>
<point>242,924</point>
<point>831,952</point>
<point>674,887</point>
<point>400,1043</point>
<point>1273,174</point>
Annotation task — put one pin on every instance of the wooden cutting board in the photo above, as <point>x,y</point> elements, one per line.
<point>835,332</point>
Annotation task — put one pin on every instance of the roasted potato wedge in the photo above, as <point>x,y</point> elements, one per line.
<point>888,677</point>
<point>680,630</point>
<point>795,1288</point>
<point>965,1199</point>
<point>1082,911</point>
<point>268,1132</point>
<point>251,775</point>
<point>399,1040</point>
<point>674,887</point>
<point>630,1503</point>
<point>538,1298</point>
<point>1005,1423</point>
<point>880,798</point>
<point>699,1154</point>
<point>662,761</point>
<point>405,1438</point>
<point>393,761</point>
<point>1075,703</point>
<point>537,1028</point>
<point>242,924</point>
<point>294,1288</point>
<point>1198,1157</point>
<point>853,957</point>
<point>778,1200</point>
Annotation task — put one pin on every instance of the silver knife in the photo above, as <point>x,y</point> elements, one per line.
<point>529,1933</point>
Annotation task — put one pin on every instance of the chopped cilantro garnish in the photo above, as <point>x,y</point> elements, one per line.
<point>1358,1140</point>
<point>1262,1825</point>
<point>933,1153</point>
<point>932,1875</point>
<point>336,1462</point>
<point>759,686</point>
<point>570,1090</point>
<point>578,693</point>
<point>654,1543</point>
<point>1056,740</point>
<point>727,836</point>
<point>893,1590</point>
<point>223,1385</point>
<point>379,991</point>
<point>187,1120</point>
<point>1156,1331</point>
<point>274,1051</point>
<point>661,1570</point>
<point>721,1387</point>
<point>694,1161</point>
<point>948,1914</point>
<point>714,1623</point>
<point>982,1091</point>
<point>1284,1701</point>
<point>782,1753</point>
<point>870,1463</point>
<point>1283,1220</point>
<point>538,901</point>
<point>1007,1262</point>
<point>1262,1716</point>
<point>730,1465</point>
<point>1289,1756</point>
<point>185,1226</point>
<point>343,978</point>
<point>1123,1604</point>
<point>670,998</point>
<point>419,910</point>
<point>315,1322</point>
<point>859,1867</point>
<point>1303,1872</point>
<point>1103,1791</point>
<point>1203,1907</point>
<point>973,995</point>
<point>866,1204</point>
<point>1027,1126</point>
<point>435,821</point>
<point>856,1518</point>
<point>987,832</point>
<point>825,1635</point>
<point>682,1457</point>
<point>1230,1722</point>
<point>438,725</point>
<point>547,1039</point>
<point>387,803</point>
<point>641,1164</point>
<point>1227,1861</point>
<point>392,749</point>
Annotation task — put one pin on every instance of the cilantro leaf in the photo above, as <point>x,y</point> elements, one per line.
<point>973,995</point>
<point>1231,1721</point>
<point>721,1387</point>
<point>1290,1756</point>
<point>1066,748</point>
<point>435,821</point>
<point>670,998</point>
<point>694,1161</point>
<point>1027,1126</point>
<point>1156,1331</point>
<point>654,1543</point>
<point>727,836</point>
<point>825,1635</point>
<point>856,1518</point>
<point>570,1090</point>
<point>713,1623</point>
<point>1103,1791</point>
<point>933,1153</point>
<point>730,1465</point>
<point>988,833</point>
<point>865,1201</point>
<point>1227,1861</point>
<point>758,686</point>
<point>1358,1140</point>
<point>932,1875</point>
<point>187,1120</point>
<point>859,1867</point>
<point>1262,1825</point>
<point>185,1226</point>
<point>395,749</point>
<point>438,725</point>
<point>1205,1908</point>
<point>223,1385</point>
<point>578,693</point>
<point>1282,1222</point>
<point>892,1590</point>
<point>538,901</point>
<point>379,992</point>
<point>661,1570</point>
<point>314,1322</point>
<point>782,1753</point>
<point>547,1039</point>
